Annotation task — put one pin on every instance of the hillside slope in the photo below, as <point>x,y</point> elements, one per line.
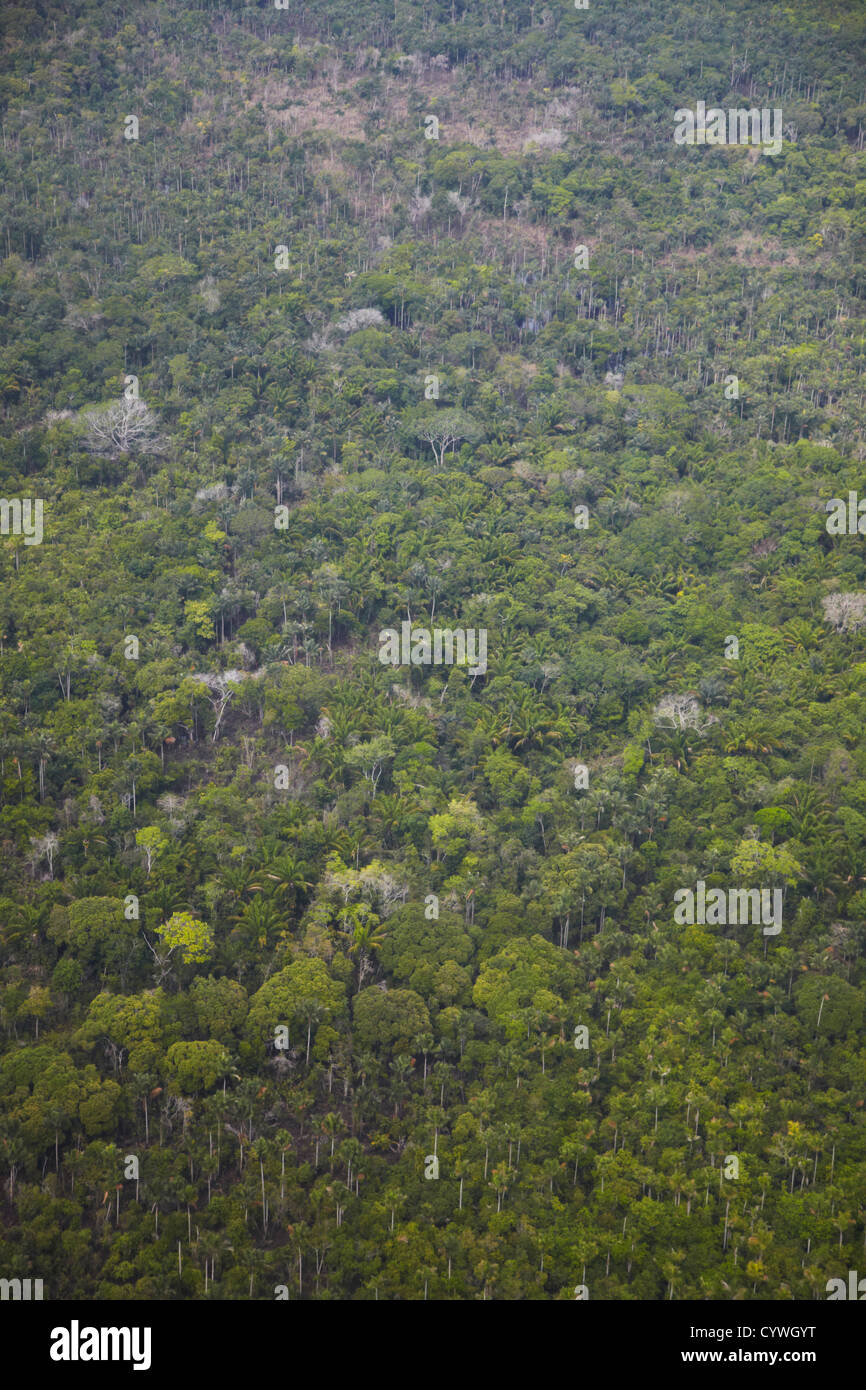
<point>334,968</point>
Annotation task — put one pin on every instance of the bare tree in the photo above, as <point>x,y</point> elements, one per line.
<point>682,712</point>
<point>847,612</point>
<point>44,847</point>
<point>124,427</point>
<point>360,318</point>
<point>220,690</point>
<point>162,960</point>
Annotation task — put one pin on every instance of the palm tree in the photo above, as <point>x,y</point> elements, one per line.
<point>820,868</point>
<point>810,816</point>
<point>236,882</point>
<point>532,725</point>
<point>500,1180</point>
<point>330,1125</point>
<point>329,754</point>
<point>679,750</point>
<point>399,1088</point>
<point>258,921</point>
<point>800,635</point>
<point>367,937</point>
<point>496,455</point>
<point>332,839</point>
<point>750,736</point>
<point>166,900</point>
<point>285,877</point>
<point>313,1012</point>
<point>390,812</point>
<point>358,843</point>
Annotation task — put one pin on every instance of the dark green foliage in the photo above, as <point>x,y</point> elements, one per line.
<point>396,905</point>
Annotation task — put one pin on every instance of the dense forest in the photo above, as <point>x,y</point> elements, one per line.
<point>331,977</point>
